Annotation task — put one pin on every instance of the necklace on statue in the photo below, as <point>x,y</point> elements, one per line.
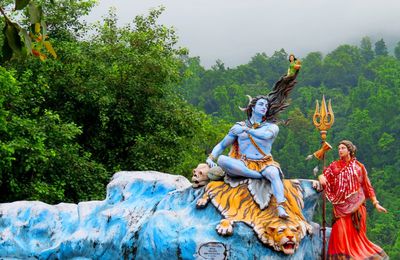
<point>253,125</point>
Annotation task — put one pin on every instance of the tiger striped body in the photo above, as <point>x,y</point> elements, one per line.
<point>237,204</point>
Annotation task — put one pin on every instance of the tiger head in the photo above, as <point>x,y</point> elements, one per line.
<point>236,203</point>
<point>284,237</point>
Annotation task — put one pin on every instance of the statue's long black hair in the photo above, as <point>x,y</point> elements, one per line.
<point>277,99</point>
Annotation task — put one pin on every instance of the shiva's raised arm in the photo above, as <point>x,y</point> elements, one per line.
<point>228,140</point>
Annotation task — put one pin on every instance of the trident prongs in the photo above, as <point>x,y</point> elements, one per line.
<point>323,118</point>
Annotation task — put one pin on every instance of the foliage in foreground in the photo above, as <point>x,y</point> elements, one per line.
<point>105,105</point>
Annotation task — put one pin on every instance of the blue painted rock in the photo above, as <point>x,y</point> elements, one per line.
<point>146,215</point>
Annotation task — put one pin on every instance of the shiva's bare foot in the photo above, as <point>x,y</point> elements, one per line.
<point>282,212</point>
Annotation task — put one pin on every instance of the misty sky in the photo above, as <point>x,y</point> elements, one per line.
<point>235,30</point>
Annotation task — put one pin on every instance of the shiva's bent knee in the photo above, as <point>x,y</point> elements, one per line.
<point>271,173</point>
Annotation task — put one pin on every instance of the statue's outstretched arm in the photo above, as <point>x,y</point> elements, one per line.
<point>228,140</point>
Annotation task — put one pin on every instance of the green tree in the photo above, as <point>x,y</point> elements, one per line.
<point>25,37</point>
<point>119,89</point>
<point>342,67</point>
<point>64,17</point>
<point>39,156</point>
<point>261,64</point>
<point>193,73</point>
<point>312,68</point>
<point>230,99</point>
<point>366,49</point>
<point>278,64</point>
<point>380,48</point>
<point>397,51</point>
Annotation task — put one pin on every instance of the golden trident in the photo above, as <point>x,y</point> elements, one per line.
<point>323,120</point>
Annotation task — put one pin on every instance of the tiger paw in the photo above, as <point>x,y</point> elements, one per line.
<point>260,231</point>
<point>225,227</point>
<point>264,238</point>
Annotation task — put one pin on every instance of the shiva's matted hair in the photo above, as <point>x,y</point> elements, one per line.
<point>277,98</point>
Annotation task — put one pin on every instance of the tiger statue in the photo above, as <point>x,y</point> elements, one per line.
<point>237,204</point>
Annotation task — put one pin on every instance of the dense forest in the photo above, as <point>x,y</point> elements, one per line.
<point>128,98</point>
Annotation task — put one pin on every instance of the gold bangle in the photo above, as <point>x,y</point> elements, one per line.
<point>375,202</point>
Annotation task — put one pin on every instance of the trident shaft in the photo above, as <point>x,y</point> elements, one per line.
<point>323,120</point>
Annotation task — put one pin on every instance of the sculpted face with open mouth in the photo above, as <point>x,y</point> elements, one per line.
<point>284,237</point>
<point>200,177</point>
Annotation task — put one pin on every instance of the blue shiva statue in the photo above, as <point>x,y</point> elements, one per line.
<point>251,141</point>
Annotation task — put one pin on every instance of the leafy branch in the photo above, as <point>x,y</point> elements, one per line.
<point>21,42</point>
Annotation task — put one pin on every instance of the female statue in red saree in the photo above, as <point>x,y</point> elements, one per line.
<point>347,187</point>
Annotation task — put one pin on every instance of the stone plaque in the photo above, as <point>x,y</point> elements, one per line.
<point>212,251</point>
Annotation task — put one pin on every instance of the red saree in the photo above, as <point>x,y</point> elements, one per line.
<point>347,188</point>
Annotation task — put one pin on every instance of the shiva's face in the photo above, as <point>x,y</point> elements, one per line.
<point>261,107</point>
